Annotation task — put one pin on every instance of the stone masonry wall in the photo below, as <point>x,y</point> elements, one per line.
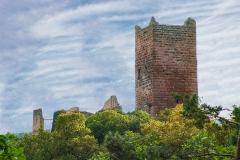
<point>73,109</point>
<point>165,63</point>
<point>37,121</point>
<point>111,103</point>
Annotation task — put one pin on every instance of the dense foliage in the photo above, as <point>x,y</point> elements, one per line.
<point>103,122</point>
<point>55,115</point>
<point>225,131</point>
<point>71,140</point>
<point>188,131</point>
<point>8,149</point>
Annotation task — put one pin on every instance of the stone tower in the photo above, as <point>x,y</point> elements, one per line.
<point>165,62</point>
<point>37,120</point>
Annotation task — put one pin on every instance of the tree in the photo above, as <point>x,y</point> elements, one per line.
<point>171,126</point>
<point>137,118</point>
<point>8,149</point>
<point>103,122</point>
<point>224,133</point>
<point>203,146</point>
<point>203,114</point>
<point>71,138</point>
<point>55,115</point>
<point>134,146</point>
<point>160,138</point>
<point>37,147</point>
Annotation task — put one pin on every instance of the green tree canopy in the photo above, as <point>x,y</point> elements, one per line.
<point>203,114</point>
<point>8,149</point>
<point>71,140</point>
<point>103,122</point>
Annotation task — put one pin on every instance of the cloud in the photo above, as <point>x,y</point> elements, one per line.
<point>57,55</point>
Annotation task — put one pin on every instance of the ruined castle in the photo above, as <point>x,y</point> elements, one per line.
<point>38,120</point>
<point>165,62</point>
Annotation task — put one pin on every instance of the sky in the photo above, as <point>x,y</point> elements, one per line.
<point>61,54</point>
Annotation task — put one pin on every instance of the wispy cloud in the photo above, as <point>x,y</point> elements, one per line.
<point>57,55</point>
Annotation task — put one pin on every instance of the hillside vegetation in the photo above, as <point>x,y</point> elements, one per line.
<point>188,131</point>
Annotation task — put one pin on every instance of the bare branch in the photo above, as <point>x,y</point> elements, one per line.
<point>225,119</point>
<point>113,156</point>
<point>212,154</point>
<point>215,116</point>
<point>215,154</point>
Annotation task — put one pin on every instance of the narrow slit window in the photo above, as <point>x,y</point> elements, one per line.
<point>139,76</point>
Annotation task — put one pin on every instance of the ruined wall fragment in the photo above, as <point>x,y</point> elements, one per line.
<point>37,120</point>
<point>111,104</point>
